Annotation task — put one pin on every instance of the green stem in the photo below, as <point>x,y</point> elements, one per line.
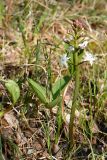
<point>75,96</point>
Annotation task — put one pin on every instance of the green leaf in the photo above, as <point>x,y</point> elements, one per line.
<point>13,89</point>
<point>39,91</point>
<point>59,85</point>
<point>54,102</point>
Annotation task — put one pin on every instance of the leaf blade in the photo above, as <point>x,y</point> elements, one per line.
<point>13,89</point>
<point>59,85</point>
<point>38,90</point>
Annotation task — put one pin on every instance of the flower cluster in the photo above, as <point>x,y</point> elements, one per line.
<point>88,57</point>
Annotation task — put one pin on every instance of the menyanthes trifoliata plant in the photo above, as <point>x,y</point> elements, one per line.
<point>76,54</point>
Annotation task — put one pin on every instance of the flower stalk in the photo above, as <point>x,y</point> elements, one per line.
<point>75,97</point>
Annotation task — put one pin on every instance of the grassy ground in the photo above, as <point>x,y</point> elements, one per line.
<point>34,35</point>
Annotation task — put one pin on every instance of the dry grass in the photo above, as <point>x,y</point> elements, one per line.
<point>30,30</point>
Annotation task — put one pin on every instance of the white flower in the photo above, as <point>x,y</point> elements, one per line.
<point>68,39</point>
<point>71,38</point>
<point>89,57</point>
<point>64,60</point>
<point>83,44</point>
<point>71,48</point>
